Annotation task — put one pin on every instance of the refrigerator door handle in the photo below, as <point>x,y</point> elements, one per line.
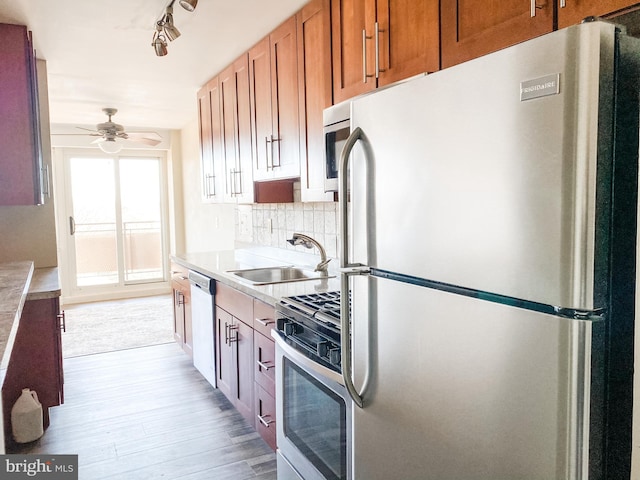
<point>347,269</point>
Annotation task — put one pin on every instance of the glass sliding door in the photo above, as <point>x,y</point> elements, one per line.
<point>116,220</point>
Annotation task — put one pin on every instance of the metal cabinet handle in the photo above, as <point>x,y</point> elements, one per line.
<point>179,298</point>
<point>264,365</point>
<point>233,339</point>
<point>63,321</point>
<point>45,180</point>
<point>210,181</point>
<point>563,3</point>
<point>365,75</point>
<point>534,7</point>
<point>377,45</point>
<point>266,423</point>
<point>265,322</point>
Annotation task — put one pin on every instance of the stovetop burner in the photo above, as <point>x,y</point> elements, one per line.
<point>322,306</point>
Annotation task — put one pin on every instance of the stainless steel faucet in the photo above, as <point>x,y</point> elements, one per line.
<point>300,239</point>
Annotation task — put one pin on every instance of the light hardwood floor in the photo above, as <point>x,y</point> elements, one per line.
<point>147,413</point>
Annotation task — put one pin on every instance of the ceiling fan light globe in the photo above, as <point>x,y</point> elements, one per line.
<point>189,5</point>
<point>110,146</point>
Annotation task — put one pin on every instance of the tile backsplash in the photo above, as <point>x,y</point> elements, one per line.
<point>271,224</point>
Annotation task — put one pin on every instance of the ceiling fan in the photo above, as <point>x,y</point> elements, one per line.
<point>110,131</point>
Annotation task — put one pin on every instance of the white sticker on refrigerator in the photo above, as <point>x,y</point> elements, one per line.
<point>540,87</point>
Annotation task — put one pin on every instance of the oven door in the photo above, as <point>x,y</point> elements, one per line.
<point>314,418</point>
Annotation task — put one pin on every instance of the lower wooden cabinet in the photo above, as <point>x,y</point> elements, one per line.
<point>181,289</point>
<point>234,348</point>
<point>245,357</point>
<point>36,359</point>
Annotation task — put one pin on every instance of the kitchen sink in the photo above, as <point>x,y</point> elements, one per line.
<point>267,275</point>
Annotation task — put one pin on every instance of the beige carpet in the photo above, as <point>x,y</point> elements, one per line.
<point>117,325</point>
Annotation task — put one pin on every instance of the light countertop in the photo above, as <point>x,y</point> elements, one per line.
<point>19,282</point>
<point>217,265</point>
<point>15,278</point>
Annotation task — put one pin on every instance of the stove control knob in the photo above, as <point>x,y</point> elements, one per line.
<point>322,349</point>
<point>334,355</point>
<point>291,328</point>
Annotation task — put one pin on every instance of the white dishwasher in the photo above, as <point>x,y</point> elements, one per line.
<point>202,305</point>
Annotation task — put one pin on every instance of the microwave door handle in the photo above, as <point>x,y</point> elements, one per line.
<point>347,269</point>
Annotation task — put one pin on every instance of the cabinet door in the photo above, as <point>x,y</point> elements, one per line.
<point>352,22</point>
<point>225,363</point>
<point>264,366</point>
<point>571,12</point>
<point>260,90</point>
<point>266,416</point>
<point>473,28</point>
<point>408,39</point>
<point>315,94</point>
<point>20,155</point>
<point>206,151</point>
<point>210,142</point>
<point>236,131</point>
<point>285,144</point>
<point>243,343</point>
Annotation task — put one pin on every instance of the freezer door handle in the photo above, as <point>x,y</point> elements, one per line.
<point>347,268</point>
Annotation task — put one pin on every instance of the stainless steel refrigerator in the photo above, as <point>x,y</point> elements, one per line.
<point>488,258</point>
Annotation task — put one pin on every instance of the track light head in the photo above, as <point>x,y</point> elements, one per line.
<point>189,5</point>
<point>159,42</point>
<point>170,29</point>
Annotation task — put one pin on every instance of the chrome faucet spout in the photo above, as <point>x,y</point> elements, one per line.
<point>308,242</point>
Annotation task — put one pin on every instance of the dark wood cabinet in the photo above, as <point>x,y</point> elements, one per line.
<point>36,359</point>
<point>273,73</point>
<point>571,12</point>
<point>21,163</point>
<point>209,123</point>
<point>234,348</point>
<point>315,94</point>
<point>264,371</point>
<point>182,331</point>
<point>235,114</point>
<point>474,28</point>
<point>376,43</point>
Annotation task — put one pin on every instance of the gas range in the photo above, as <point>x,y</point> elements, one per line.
<point>311,324</point>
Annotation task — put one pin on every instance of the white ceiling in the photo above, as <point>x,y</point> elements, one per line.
<point>99,54</point>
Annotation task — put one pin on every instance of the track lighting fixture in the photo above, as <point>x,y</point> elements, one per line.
<point>159,41</point>
<point>165,28</point>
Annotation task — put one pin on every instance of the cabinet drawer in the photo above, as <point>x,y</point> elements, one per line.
<point>235,302</point>
<point>266,416</point>
<point>264,369</point>
<point>264,318</point>
<point>179,277</point>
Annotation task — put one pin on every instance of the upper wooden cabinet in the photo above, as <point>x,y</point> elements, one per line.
<point>473,28</point>
<point>273,74</point>
<point>212,164</point>
<point>314,87</point>
<point>21,176</point>
<point>571,12</point>
<point>236,131</point>
<point>376,43</point>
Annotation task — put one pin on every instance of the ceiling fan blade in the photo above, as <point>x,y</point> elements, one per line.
<point>89,130</point>
<point>80,134</point>
<point>99,140</point>
<point>148,138</point>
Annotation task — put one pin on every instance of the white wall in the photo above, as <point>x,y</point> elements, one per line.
<point>207,226</point>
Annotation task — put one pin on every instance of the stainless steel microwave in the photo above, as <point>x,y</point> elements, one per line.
<point>337,126</point>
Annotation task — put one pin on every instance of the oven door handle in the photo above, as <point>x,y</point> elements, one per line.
<point>304,361</point>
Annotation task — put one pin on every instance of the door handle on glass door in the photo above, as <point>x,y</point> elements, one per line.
<point>72,226</point>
